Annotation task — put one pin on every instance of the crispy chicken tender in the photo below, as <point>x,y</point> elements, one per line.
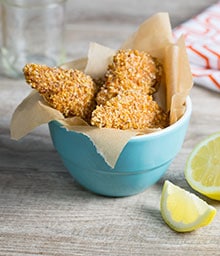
<point>130,69</point>
<point>130,110</point>
<point>70,91</point>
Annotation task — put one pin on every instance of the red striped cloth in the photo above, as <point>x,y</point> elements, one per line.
<point>202,37</point>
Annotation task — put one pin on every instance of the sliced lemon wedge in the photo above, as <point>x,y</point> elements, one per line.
<point>182,210</point>
<point>202,170</point>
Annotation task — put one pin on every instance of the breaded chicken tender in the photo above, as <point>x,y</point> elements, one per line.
<point>130,69</point>
<point>70,91</point>
<point>130,110</point>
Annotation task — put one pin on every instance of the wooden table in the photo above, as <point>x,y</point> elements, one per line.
<point>43,211</point>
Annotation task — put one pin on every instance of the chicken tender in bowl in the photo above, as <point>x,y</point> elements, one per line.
<point>130,69</point>
<point>130,110</point>
<point>70,91</point>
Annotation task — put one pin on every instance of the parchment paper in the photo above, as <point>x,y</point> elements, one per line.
<point>153,36</point>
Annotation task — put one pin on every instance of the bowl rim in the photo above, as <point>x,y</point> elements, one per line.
<point>164,131</point>
<point>168,129</point>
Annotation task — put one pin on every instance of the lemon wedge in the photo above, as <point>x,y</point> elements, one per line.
<point>182,210</point>
<point>202,170</point>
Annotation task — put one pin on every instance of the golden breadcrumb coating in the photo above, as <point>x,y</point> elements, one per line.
<point>130,110</point>
<point>130,69</point>
<point>69,91</point>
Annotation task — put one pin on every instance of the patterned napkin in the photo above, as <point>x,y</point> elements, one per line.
<point>202,37</point>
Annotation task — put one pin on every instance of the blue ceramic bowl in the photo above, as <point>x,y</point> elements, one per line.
<point>142,162</point>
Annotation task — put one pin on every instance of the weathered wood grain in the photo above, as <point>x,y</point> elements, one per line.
<point>43,211</point>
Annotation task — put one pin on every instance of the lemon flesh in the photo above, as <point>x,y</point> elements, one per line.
<point>182,210</point>
<point>202,170</point>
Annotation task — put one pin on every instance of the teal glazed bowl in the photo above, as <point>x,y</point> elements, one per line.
<point>142,162</point>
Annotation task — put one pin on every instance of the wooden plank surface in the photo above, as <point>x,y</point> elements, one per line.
<point>43,211</point>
